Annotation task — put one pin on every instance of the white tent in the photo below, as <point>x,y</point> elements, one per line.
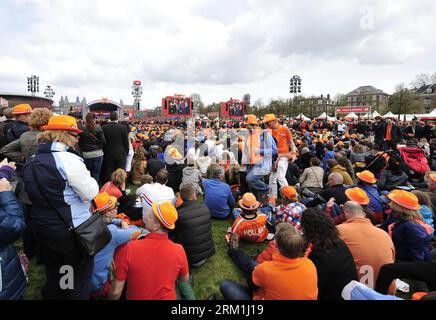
<point>389,115</point>
<point>302,117</point>
<point>322,116</point>
<point>365,116</point>
<point>331,118</point>
<point>375,114</point>
<point>351,115</point>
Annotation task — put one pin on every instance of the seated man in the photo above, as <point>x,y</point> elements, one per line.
<point>151,266</point>
<point>249,224</point>
<point>370,246</point>
<point>218,195</point>
<point>193,228</point>
<point>289,276</point>
<point>367,182</point>
<point>106,206</point>
<point>157,192</point>
<point>336,190</point>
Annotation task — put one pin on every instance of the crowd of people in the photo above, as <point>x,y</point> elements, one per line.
<point>337,204</point>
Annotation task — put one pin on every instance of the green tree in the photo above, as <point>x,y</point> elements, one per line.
<point>402,101</point>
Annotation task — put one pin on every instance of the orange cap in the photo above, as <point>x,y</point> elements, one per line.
<point>104,201</point>
<point>166,213</point>
<point>22,109</point>
<point>366,176</point>
<point>357,194</point>
<point>62,122</point>
<point>269,117</point>
<point>354,136</point>
<point>405,199</point>
<point>299,142</point>
<point>289,192</point>
<point>251,119</point>
<point>249,202</point>
<point>347,135</point>
<point>341,143</point>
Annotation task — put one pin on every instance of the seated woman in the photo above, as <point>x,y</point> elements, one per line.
<point>410,234</point>
<point>312,177</point>
<point>288,276</point>
<point>249,225</point>
<point>331,256</point>
<point>121,232</point>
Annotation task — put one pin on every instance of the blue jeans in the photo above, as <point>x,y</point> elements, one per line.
<point>232,290</point>
<point>94,166</point>
<point>255,182</point>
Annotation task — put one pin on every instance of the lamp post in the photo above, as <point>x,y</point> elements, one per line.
<point>136,92</point>
<point>324,102</point>
<point>49,92</point>
<point>33,84</point>
<point>295,85</point>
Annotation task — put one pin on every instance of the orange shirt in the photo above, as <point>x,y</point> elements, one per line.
<point>388,132</point>
<point>286,279</point>
<point>253,229</point>
<point>369,245</point>
<point>283,137</point>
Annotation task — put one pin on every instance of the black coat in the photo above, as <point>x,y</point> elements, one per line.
<point>194,231</point>
<point>380,133</point>
<point>154,165</point>
<point>91,141</point>
<point>117,141</point>
<point>175,172</point>
<point>335,270</point>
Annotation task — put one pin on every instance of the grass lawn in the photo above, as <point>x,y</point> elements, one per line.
<point>206,278</point>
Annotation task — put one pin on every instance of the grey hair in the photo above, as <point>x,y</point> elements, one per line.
<point>337,177</point>
<point>218,172</point>
<point>354,208</point>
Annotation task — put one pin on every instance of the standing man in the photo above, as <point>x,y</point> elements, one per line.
<point>391,135</point>
<point>116,148</point>
<point>260,148</point>
<point>286,152</point>
<point>22,114</point>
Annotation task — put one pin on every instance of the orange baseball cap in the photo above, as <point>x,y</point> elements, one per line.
<point>357,194</point>
<point>289,192</point>
<point>104,201</point>
<point>269,117</point>
<point>22,109</point>
<point>166,213</point>
<point>405,199</point>
<point>366,176</point>
<point>249,202</point>
<point>62,122</point>
<point>251,119</point>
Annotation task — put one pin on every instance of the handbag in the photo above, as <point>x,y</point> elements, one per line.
<point>91,236</point>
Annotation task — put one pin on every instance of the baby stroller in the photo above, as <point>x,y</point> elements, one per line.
<point>414,161</point>
<point>377,163</point>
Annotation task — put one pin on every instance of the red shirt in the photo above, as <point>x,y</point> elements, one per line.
<point>151,267</point>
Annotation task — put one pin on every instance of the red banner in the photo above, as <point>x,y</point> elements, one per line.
<point>352,109</point>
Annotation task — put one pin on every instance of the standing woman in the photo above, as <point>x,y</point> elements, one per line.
<point>62,182</point>
<point>91,142</point>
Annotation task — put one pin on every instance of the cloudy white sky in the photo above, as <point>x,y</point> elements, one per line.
<point>217,48</point>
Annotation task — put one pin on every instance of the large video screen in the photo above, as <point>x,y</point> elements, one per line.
<point>179,106</point>
<point>236,109</point>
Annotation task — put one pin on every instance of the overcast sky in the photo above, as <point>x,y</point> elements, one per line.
<point>217,48</point>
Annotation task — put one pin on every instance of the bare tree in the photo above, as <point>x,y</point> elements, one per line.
<point>422,79</point>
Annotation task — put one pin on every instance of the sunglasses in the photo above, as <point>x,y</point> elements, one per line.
<point>75,135</point>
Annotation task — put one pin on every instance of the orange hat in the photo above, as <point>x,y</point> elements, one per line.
<point>366,176</point>
<point>251,119</point>
<point>166,213</point>
<point>22,109</point>
<point>341,143</point>
<point>249,202</point>
<point>289,192</point>
<point>354,136</point>
<point>299,142</point>
<point>347,135</point>
<point>405,199</point>
<point>175,154</point>
<point>104,201</point>
<point>432,177</point>
<point>357,194</point>
<point>63,122</point>
<point>269,117</point>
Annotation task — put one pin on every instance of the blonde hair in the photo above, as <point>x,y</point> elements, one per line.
<point>405,214</point>
<point>39,118</point>
<point>56,135</point>
<point>119,176</point>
